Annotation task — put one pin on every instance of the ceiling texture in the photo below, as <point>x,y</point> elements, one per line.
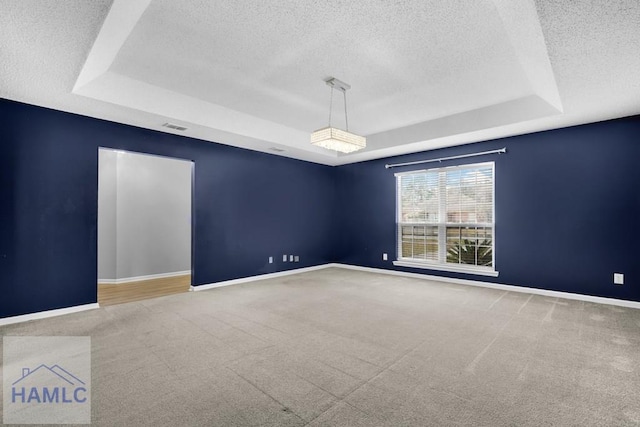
<point>424,74</point>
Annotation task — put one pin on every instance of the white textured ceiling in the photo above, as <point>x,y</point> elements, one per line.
<point>425,74</point>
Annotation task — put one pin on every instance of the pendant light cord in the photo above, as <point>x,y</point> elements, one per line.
<point>330,105</point>
<point>346,119</point>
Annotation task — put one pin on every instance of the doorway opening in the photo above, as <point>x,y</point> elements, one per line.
<point>144,226</point>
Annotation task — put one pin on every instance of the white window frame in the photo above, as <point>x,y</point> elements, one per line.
<point>442,224</point>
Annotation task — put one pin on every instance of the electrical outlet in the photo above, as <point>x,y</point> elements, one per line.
<point>618,279</point>
<point>384,257</point>
<point>284,258</point>
<point>270,260</point>
<point>290,258</point>
<point>296,258</point>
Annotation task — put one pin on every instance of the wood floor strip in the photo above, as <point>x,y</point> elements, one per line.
<point>110,294</point>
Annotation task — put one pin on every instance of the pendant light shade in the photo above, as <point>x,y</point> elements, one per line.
<point>333,138</point>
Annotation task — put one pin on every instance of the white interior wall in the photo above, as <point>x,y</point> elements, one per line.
<point>144,215</point>
<point>107,188</point>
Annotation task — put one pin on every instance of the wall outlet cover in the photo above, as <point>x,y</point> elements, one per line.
<point>618,279</point>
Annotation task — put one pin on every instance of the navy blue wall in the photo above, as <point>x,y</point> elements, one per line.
<point>247,206</point>
<point>567,204</point>
<point>567,209</point>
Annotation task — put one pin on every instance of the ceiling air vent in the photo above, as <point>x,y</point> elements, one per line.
<point>174,126</point>
<point>277,150</point>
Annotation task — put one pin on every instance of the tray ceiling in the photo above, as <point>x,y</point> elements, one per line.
<point>424,74</point>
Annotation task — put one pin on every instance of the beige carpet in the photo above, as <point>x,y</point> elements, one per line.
<point>343,348</point>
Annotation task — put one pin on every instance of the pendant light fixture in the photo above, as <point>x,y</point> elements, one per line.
<point>337,139</point>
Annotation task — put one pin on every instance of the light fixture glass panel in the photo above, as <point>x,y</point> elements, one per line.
<point>337,139</point>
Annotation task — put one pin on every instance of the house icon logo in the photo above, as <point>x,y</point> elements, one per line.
<point>48,384</point>
<point>46,380</point>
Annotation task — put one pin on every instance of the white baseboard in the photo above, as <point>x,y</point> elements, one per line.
<point>511,288</point>
<point>48,313</point>
<point>259,277</point>
<point>141,278</point>
<point>466,282</point>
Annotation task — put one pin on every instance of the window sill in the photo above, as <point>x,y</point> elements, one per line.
<point>479,272</point>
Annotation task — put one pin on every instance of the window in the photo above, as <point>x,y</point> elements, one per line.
<point>445,219</point>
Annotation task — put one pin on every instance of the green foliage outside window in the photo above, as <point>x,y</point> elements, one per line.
<point>464,252</point>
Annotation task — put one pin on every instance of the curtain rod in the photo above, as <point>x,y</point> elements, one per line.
<point>461,156</point>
